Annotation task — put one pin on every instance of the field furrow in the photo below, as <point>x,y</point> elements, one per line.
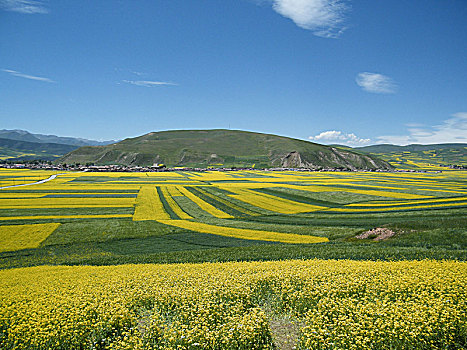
<point>244,233</point>
<point>203,204</point>
<point>272,203</point>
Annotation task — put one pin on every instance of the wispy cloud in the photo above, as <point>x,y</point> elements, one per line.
<point>24,6</point>
<point>451,130</point>
<point>334,136</point>
<point>376,83</point>
<point>27,76</point>
<point>325,18</point>
<point>147,83</point>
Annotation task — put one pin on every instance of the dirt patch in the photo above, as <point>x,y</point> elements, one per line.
<point>284,327</point>
<point>285,332</point>
<point>377,234</point>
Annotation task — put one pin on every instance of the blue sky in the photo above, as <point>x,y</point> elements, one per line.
<point>352,72</point>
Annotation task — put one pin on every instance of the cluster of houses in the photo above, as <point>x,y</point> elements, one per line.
<point>162,167</point>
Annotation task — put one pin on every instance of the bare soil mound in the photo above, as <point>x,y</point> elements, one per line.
<point>377,234</point>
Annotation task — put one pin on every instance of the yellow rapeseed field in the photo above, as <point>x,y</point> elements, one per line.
<point>20,195</point>
<point>292,193</point>
<point>75,216</point>
<point>66,202</point>
<point>149,205</point>
<point>336,304</point>
<point>16,237</point>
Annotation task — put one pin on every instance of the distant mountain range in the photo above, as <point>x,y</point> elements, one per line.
<point>222,148</point>
<point>22,135</point>
<point>18,145</point>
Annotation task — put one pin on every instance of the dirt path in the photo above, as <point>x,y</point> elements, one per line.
<point>34,183</point>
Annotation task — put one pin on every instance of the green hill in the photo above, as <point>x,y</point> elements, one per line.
<point>221,148</point>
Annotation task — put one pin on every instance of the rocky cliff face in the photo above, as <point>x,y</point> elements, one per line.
<point>334,159</point>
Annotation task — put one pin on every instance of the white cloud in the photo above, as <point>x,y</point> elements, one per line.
<point>376,83</point>
<point>23,6</point>
<point>147,83</point>
<point>325,18</point>
<point>333,136</point>
<point>451,130</point>
<point>27,76</point>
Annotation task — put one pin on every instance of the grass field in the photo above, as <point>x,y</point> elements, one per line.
<point>211,222</point>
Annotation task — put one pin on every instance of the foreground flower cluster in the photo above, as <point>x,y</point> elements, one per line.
<point>338,305</point>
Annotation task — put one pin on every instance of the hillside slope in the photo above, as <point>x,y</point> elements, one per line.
<point>416,156</point>
<point>222,148</point>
